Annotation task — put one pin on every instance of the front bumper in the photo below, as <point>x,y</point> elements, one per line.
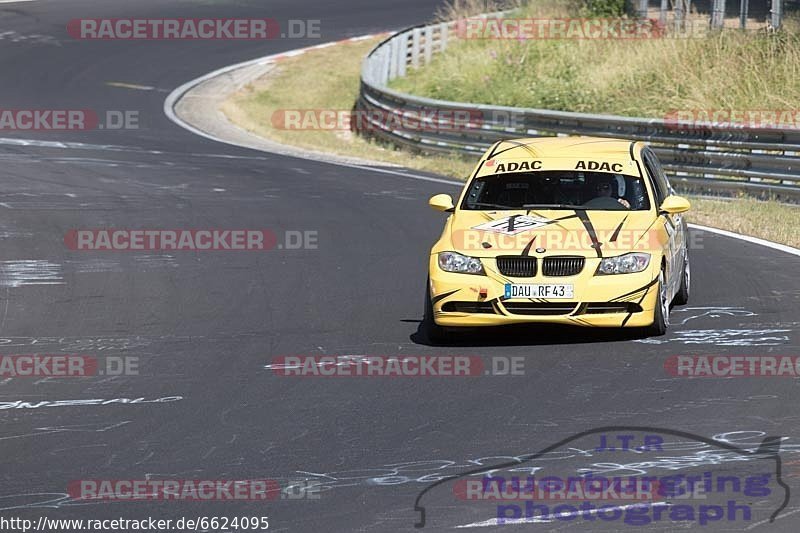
<point>466,300</point>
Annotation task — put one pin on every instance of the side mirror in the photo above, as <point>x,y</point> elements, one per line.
<point>674,204</point>
<point>441,202</point>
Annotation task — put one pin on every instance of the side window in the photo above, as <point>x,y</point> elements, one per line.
<point>661,174</point>
<point>662,188</point>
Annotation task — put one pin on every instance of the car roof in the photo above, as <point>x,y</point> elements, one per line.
<point>577,147</point>
<point>559,153</point>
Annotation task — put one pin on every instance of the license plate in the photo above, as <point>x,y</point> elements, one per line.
<point>538,291</point>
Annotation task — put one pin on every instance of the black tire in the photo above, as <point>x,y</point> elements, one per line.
<point>682,297</point>
<point>661,313</point>
<point>435,333</point>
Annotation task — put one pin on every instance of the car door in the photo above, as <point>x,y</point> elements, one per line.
<point>674,225</point>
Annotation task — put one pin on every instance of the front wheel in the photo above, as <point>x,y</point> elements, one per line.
<point>661,312</point>
<point>682,297</point>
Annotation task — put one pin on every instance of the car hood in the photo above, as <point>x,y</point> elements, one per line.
<point>585,233</point>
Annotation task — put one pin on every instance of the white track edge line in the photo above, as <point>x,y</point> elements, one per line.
<point>174,96</point>
<point>748,238</point>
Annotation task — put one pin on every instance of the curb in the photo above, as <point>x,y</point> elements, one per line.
<point>220,129</point>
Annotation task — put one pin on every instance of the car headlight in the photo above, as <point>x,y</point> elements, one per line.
<point>624,264</point>
<point>462,264</point>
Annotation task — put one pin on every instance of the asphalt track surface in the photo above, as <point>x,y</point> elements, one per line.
<point>206,325</point>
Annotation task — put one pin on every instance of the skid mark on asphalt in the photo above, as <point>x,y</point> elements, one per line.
<point>177,195</point>
<point>676,456</point>
<point>760,335</point>
<point>34,500</point>
<point>711,312</point>
<point>20,273</point>
<point>393,195</point>
<point>135,86</point>
<point>156,261</point>
<point>141,263</point>
<point>33,38</point>
<point>87,343</point>
<point>687,406</point>
<point>73,145</point>
<point>94,265</point>
<point>50,430</point>
<point>112,343</point>
<point>21,404</point>
<point>725,337</point>
<point>28,272</point>
<point>6,233</point>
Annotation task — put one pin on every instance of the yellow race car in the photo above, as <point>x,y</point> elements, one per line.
<point>569,230</point>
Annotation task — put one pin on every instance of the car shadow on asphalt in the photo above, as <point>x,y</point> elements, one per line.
<point>527,335</point>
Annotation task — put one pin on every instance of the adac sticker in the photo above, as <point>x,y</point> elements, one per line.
<point>513,224</point>
<point>514,166</point>
<point>599,165</point>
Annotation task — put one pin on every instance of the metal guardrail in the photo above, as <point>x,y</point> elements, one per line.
<point>700,157</point>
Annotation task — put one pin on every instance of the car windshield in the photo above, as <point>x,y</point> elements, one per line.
<point>557,190</point>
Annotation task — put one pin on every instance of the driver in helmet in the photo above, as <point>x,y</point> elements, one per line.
<point>606,186</point>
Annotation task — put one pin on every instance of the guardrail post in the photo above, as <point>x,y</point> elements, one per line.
<point>428,44</point>
<point>681,7</point>
<point>743,8</point>
<point>402,57</point>
<point>444,28</point>
<point>415,47</point>
<point>376,67</point>
<point>776,14</point>
<point>641,10</point>
<point>718,14</point>
<point>368,70</point>
<point>393,61</point>
<point>386,60</point>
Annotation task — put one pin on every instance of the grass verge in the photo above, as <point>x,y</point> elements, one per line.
<point>328,79</point>
<point>324,79</point>
<point>772,221</point>
<point>727,71</point>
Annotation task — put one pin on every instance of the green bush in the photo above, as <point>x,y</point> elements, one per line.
<point>602,8</point>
